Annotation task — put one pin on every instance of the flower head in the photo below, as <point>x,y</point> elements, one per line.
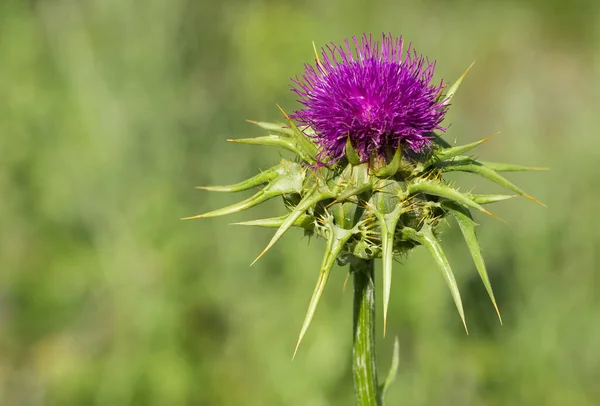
<point>377,97</point>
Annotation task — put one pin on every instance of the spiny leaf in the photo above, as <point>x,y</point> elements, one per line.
<point>442,190</point>
<point>351,154</point>
<point>467,227</point>
<point>488,199</point>
<point>345,214</point>
<point>488,173</point>
<point>427,238</point>
<point>303,141</point>
<point>276,128</point>
<point>447,153</point>
<point>387,223</point>
<point>387,255</point>
<point>387,197</point>
<point>304,221</point>
<point>452,90</point>
<point>353,191</point>
<point>353,181</point>
<point>274,141</point>
<point>391,376</point>
<point>500,167</point>
<point>252,201</point>
<point>290,180</point>
<point>335,243</point>
<point>317,56</point>
<point>257,180</point>
<point>310,199</point>
<point>392,167</point>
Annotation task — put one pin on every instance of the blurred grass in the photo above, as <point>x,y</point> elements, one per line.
<point>113,110</point>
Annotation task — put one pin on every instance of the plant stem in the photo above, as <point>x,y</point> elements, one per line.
<point>363,348</point>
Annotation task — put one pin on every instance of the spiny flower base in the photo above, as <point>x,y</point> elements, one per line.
<point>377,209</point>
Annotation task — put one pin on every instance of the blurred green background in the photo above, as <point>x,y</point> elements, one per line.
<point>111,111</point>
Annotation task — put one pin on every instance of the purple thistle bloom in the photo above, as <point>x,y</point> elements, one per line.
<point>376,97</point>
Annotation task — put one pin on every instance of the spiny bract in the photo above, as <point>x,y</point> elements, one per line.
<point>378,207</point>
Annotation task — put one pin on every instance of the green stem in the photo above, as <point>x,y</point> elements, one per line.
<point>363,348</point>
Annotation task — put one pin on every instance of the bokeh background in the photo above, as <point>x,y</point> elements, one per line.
<point>111,111</point>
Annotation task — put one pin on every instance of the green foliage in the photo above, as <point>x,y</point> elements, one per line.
<point>112,111</point>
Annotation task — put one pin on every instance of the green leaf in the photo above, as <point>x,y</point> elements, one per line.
<point>309,200</point>
<point>305,221</point>
<point>354,180</point>
<point>290,178</point>
<point>276,141</point>
<point>302,140</point>
<point>353,191</point>
<point>426,237</point>
<point>442,190</point>
<point>452,90</point>
<point>392,167</point>
<point>254,181</point>
<point>391,376</point>
<point>351,154</point>
<point>488,199</point>
<point>276,128</point>
<point>447,153</point>
<point>467,227</point>
<point>387,223</point>
<point>387,252</point>
<point>346,213</point>
<point>252,201</point>
<point>500,167</point>
<point>335,243</point>
<point>488,173</point>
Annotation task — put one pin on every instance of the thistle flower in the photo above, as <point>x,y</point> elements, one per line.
<point>377,97</point>
<point>357,182</point>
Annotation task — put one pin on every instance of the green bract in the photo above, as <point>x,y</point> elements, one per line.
<point>377,209</point>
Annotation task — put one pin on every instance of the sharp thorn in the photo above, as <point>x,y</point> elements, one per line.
<point>296,349</point>
<point>494,216</point>
<point>498,312</point>
<point>468,69</point>
<point>199,216</point>
<point>259,256</point>
<point>284,113</point>
<point>533,199</point>
<point>489,137</point>
<point>384,324</point>
<point>317,55</point>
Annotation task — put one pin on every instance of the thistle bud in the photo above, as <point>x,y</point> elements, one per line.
<point>368,172</point>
